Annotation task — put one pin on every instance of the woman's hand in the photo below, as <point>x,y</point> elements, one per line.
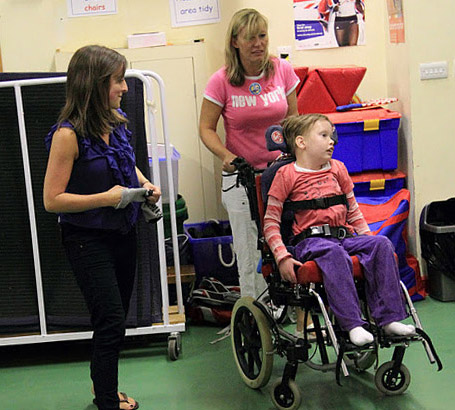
<point>154,198</point>
<point>114,195</point>
<point>227,167</point>
<point>286,268</point>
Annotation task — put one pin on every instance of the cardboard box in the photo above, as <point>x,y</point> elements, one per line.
<point>155,38</point>
<point>367,139</point>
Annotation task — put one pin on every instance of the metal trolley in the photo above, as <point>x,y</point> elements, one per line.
<point>173,317</point>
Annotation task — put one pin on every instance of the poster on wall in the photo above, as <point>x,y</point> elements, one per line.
<point>194,12</point>
<point>396,21</point>
<point>329,23</point>
<point>81,8</point>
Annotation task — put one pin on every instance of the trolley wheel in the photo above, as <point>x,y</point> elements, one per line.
<point>174,346</point>
<point>251,343</point>
<point>390,382</point>
<point>364,360</point>
<point>286,397</point>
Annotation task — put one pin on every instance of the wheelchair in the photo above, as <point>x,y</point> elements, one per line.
<point>257,334</point>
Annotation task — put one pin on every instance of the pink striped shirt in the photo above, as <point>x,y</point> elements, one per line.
<point>297,185</point>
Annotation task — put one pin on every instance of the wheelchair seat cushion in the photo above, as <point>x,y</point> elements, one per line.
<point>309,272</point>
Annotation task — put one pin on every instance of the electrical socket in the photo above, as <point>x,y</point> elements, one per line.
<point>431,71</point>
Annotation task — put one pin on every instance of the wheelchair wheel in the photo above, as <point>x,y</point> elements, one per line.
<point>251,343</point>
<point>363,361</point>
<point>390,382</point>
<point>286,397</point>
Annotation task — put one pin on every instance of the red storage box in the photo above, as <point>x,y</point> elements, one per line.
<point>367,139</point>
<point>378,183</point>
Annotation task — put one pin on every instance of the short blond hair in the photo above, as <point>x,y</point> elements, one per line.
<point>299,125</point>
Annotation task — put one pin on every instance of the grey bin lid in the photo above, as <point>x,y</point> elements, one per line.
<point>434,228</point>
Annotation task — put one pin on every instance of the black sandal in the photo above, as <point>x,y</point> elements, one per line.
<point>124,400</point>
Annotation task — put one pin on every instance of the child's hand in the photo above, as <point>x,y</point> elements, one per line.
<point>286,268</point>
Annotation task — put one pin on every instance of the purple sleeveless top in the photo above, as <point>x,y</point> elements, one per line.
<point>98,168</point>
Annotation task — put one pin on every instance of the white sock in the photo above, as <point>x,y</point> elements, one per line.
<point>399,329</point>
<point>359,336</point>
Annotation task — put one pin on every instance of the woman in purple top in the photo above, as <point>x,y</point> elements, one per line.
<point>90,163</point>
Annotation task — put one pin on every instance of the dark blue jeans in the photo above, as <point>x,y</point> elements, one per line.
<point>104,264</point>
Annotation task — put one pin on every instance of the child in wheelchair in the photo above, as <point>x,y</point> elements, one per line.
<point>319,252</point>
<point>333,232</point>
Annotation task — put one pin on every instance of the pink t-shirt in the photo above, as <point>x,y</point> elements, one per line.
<point>248,110</point>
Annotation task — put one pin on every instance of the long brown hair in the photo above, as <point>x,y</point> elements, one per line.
<point>87,91</point>
<point>253,22</point>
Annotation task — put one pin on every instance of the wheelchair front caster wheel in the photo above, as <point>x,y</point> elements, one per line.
<point>286,397</point>
<point>391,382</point>
<point>174,346</point>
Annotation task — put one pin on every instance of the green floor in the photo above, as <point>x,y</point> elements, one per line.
<point>55,375</point>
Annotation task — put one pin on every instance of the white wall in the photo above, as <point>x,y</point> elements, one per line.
<point>31,31</point>
<point>427,140</point>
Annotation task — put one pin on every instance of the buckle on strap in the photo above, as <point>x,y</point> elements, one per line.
<point>320,230</point>
<point>342,232</point>
<point>320,203</point>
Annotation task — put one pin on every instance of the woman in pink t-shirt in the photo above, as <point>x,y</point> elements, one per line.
<point>252,91</point>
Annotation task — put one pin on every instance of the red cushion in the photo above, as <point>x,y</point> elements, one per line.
<point>302,73</point>
<point>309,272</point>
<point>314,97</point>
<point>342,82</point>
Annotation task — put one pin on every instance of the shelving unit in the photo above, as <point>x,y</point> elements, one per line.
<point>173,317</point>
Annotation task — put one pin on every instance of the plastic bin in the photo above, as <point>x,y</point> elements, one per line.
<point>181,214</point>
<point>378,183</point>
<point>437,234</point>
<point>213,253</point>
<point>163,170</point>
<point>367,139</point>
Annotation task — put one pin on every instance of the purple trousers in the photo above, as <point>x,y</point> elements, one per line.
<point>376,255</point>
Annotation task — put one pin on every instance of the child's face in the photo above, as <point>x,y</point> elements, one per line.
<point>319,143</point>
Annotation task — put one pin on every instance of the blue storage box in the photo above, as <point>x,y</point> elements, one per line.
<point>164,183</point>
<point>367,139</point>
<point>213,253</point>
<point>378,183</point>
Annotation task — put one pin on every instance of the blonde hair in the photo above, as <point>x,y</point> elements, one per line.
<point>299,125</point>
<point>253,22</point>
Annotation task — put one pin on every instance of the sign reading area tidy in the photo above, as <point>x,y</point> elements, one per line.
<point>193,12</point>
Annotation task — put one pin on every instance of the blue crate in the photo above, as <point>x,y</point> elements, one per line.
<point>367,139</point>
<point>208,250</point>
<point>378,183</point>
